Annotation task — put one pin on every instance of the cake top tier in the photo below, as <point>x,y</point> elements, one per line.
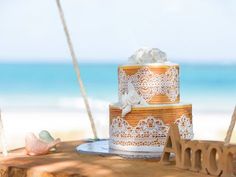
<point>146,55</point>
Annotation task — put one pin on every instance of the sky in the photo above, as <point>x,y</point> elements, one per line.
<point>111,30</point>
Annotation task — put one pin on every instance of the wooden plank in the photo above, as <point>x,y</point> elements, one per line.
<point>67,163</point>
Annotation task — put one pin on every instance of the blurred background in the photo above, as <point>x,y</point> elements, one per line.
<point>38,86</point>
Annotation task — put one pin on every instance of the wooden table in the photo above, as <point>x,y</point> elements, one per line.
<point>67,163</point>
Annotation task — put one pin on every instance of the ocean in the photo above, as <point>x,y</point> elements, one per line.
<point>210,87</point>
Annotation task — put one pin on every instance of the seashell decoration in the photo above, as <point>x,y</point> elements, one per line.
<point>35,146</point>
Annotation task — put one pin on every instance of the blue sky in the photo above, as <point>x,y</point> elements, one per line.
<point>111,30</point>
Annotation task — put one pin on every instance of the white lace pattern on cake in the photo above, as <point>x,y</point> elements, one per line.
<point>149,84</point>
<point>185,127</point>
<point>150,131</point>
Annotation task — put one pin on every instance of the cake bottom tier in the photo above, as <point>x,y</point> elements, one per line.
<point>145,128</point>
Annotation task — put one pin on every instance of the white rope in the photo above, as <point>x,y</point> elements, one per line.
<point>231,128</point>
<point>76,67</point>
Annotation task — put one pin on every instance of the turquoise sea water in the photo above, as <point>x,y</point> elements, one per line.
<point>207,85</point>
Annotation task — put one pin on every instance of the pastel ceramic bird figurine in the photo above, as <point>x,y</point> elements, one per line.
<point>45,136</point>
<point>34,146</point>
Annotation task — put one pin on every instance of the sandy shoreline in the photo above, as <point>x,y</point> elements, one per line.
<point>67,125</point>
<point>71,124</point>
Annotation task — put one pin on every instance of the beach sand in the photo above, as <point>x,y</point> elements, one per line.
<point>73,124</point>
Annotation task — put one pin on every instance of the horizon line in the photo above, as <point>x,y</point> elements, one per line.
<point>207,62</point>
<point>89,59</point>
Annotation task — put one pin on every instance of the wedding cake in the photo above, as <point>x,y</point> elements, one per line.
<point>149,101</point>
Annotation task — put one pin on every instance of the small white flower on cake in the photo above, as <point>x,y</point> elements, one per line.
<point>130,99</point>
<point>148,55</point>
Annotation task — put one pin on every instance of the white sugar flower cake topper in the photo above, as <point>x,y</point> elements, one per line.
<point>148,55</point>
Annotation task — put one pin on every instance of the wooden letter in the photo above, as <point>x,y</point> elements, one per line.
<point>228,163</point>
<point>187,153</point>
<point>198,154</point>
<point>172,145</point>
<point>214,159</point>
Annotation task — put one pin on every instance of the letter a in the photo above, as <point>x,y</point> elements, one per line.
<point>172,145</point>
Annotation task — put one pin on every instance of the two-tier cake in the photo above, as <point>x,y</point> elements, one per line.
<point>149,101</point>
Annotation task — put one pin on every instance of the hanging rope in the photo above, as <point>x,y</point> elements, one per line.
<point>76,67</point>
<point>231,128</point>
<point>2,138</point>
